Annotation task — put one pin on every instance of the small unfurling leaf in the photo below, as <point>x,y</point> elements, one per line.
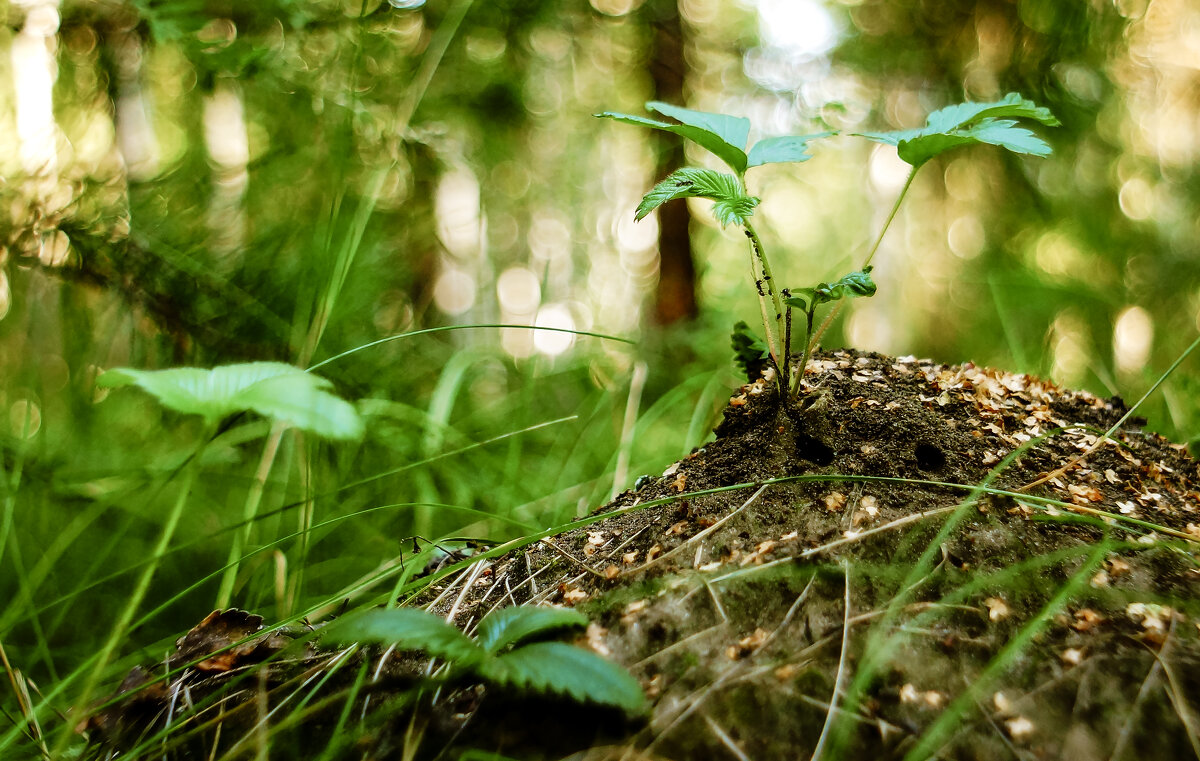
<point>732,205</point>
<point>854,284</point>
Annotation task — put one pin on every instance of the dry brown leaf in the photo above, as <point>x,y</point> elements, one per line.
<point>997,609</point>
<point>835,502</point>
<point>1086,619</point>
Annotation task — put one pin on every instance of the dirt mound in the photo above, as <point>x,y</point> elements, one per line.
<point>846,543</point>
<point>861,574</point>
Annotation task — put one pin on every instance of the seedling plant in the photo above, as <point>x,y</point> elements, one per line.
<point>506,651</point>
<point>726,137</point>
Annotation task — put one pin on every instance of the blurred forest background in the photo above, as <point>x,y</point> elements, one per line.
<point>206,181</point>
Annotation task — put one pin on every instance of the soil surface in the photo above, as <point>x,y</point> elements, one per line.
<point>862,574</point>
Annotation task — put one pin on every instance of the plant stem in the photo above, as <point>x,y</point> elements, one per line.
<point>808,344</point>
<point>249,513</point>
<point>837,308</point>
<point>787,331</point>
<point>892,215</point>
<point>781,363</point>
<point>121,627</point>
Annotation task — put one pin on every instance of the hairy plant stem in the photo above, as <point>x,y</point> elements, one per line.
<point>808,344</point>
<point>775,336</point>
<point>837,309</point>
<point>121,627</point>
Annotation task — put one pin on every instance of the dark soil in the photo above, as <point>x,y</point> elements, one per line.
<point>827,575</point>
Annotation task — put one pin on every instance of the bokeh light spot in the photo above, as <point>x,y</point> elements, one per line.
<point>1133,335</point>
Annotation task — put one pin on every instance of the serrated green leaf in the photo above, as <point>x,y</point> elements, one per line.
<point>508,626</point>
<point>560,668</point>
<point>272,389</point>
<point>735,210</point>
<point>748,351</point>
<point>708,139</point>
<point>732,205</point>
<point>1011,106</point>
<point>407,629</point>
<point>969,124</point>
<point>780,150</point>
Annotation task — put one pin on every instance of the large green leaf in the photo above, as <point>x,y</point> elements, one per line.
<point>271,389</point>
<point>780,150</point>
<point>407,629</point>
<point>560,668</point>
<point>508,626</point>
<point>733,130</point>
<point>970,124</point>
<point>723,135</point>
<point>732,205</point>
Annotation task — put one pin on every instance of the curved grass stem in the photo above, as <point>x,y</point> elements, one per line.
<point>837,308</point>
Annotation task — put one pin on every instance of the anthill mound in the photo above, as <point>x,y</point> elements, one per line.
<point>863,574</point>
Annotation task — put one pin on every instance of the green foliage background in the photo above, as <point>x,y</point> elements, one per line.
<point>367,125</point>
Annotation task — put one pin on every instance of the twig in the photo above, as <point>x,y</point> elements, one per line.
<point>572,558</point>
<point>1176,694</point>
<point>725,739</point>
<point>24,704</point>
<point>702,534</point>
<point>716,601</point>
<point>678,644</point>
<point>476,569</point>
<point>1143,693</point>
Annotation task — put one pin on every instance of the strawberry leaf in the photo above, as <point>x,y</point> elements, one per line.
<point>560,668</point>
<point>749,353</point>
<point>508,626</point>
<point>407,629</point>
<point>780,150</point>
<point>722,135</point>
<point>969,124</point>
<point>732,205</point>
<point>733,130</point>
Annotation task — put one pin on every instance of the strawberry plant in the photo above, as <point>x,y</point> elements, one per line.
<point>501,652</point>
<point>726,137</point>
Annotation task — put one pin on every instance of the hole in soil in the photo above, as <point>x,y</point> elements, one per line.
<point>814,451</point>
<point>930,457</point>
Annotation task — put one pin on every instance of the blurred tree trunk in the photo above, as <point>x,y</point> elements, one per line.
<point>675,298</point>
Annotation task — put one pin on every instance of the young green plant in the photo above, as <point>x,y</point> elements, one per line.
<point>855,284</point>
<point>726,137</point>
<point>501,652</point>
